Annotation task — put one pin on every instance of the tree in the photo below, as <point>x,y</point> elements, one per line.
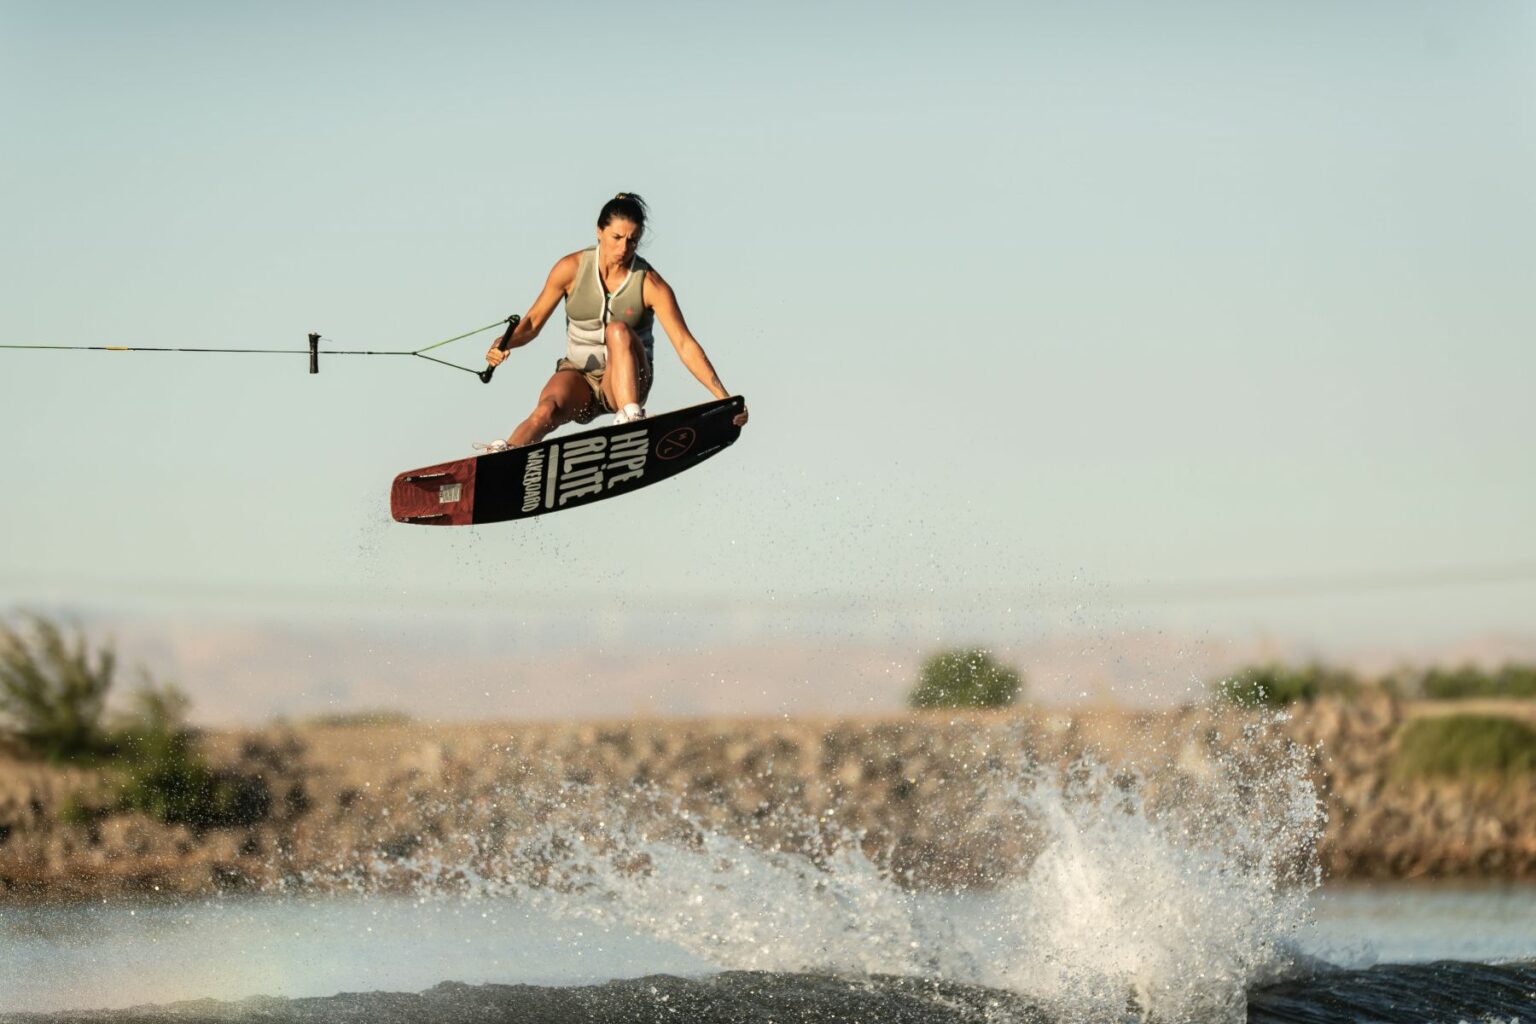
<point>53,697</point>
<point>53,688</point>
<point>969,678</point>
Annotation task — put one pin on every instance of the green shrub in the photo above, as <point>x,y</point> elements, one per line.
<point>1459,746</point>
<point>1469,681</point>
<point>966,679</point>
<point>158,771</point>
<point>1276,685</point>
<point>53,689</point>
<point>53,695</point>
<point>160,774</point>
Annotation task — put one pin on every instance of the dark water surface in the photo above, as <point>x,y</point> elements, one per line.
<point>1447,991</point>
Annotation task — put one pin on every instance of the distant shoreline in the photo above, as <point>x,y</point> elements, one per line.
<point>366,804</point>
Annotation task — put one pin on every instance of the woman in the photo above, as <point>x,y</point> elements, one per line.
<point>612,296</point>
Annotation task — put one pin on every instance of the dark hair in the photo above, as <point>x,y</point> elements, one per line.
<point>625,206</point>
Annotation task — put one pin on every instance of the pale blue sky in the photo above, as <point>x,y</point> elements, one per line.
<point>1030,301</point>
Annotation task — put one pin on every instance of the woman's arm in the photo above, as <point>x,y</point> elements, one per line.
<point>556,287</point>
<point>661,300</point>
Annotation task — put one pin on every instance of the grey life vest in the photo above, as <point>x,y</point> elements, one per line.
<point>589,309</point>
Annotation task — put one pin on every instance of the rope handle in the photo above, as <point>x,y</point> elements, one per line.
<point>502,344</point>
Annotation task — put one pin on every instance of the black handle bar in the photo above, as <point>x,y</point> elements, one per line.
<point>506,340</point>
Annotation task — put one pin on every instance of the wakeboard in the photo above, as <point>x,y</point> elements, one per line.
<point>564,472</point>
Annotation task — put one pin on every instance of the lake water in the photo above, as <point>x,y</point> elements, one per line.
<point>118,954</point>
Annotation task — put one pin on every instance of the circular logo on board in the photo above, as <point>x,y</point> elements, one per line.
<point>676,443</point>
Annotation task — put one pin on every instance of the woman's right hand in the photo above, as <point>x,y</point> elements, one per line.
<point>496,354</point>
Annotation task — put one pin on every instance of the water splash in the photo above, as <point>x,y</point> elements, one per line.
<point>1173,911</point>
<point>1163,893</point>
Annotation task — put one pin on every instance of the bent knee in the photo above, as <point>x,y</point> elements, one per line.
<point>619,336</point>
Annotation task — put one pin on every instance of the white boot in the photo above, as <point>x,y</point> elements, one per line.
<point>491,447</point>
<point>629,414</point>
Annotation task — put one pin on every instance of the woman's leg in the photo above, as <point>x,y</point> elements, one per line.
<point>627,376</point>
<point>562,400</point>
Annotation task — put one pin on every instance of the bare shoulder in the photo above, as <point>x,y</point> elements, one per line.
<point>563,274</point>
<point>656,287</point>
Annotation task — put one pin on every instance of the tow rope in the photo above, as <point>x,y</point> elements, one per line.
<point>313,350</point>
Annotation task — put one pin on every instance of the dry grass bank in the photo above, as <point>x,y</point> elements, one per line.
<point>365,800</point>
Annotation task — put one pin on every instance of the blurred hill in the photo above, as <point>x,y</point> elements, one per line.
<point>457,669</point>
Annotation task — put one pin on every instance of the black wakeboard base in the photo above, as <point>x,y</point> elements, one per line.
<point>564,472</point>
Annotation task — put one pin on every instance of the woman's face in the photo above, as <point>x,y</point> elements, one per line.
<point>617,242</point>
